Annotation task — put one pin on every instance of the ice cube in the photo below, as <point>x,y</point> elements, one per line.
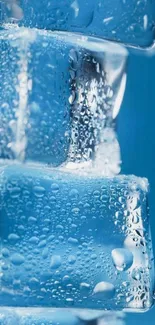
<point>37,316</point>
<point>126,21</point>
<point>73,241</point>
<point>59,96</point>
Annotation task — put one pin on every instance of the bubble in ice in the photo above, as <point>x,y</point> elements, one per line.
<point>55,262</point>
<point>104,290</point>
<point>17,259</point>
<point>122,258</point>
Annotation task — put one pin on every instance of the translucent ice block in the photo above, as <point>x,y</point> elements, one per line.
<point>59,95</point>
<point>49,316</point>
<point>73,241</point>
<point>121,20</point>
<point>31,316</point>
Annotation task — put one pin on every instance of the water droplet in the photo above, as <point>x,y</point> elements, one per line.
<point>136,275</point>
<point>69,301</point>
<point>32,219</point>
<point>15,192</point>
<point>5,252</point>
<point>72,97</point>
<point>17,259</point>
<point>93,257</point>
<point>73,241</point>
<point>45,253</point>
<point>135,219</point>
<point>55,262</point>
<point>74,194</point>
<point>13,238</point>
<point>129,298</point>
<point>133,201</point>
<point>33,283</point>
<point>34,240</point>
<point>140,232</point>
<point>122,258</point>
<point>84,286</point>
<point>42,244</point>
<point>55,188</point>
<point>104,290</point>
<point>39,191</point>
<point>72,259</point>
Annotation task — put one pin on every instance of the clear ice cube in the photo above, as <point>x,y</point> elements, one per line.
<point>130,22</point>
<point>37,316</point>
<point>59,96</point>
<point>49,316</point>
<point>73,241</point>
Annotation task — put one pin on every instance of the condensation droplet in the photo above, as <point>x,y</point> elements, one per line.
<point>55,262</point>
<point>122,258</point>
<point>39,191</point>
<point>17,259</point>
<point>104,290</point>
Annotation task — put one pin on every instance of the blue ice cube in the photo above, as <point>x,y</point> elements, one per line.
<point>126,21</point>
<point>49,316</point>
<point>34,97</point>
<point>74,241</point>
<point>58,92</point>
<point>31,316</point>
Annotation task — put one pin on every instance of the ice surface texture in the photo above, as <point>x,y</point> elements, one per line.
<point>59,97</point>
<point>121,20</point>
<point>48,316</point>
<point>74,242</point>
<point>30,316</point>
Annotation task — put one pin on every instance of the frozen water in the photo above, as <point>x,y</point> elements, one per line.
<point>72,241</point>
<point>49,316</point>
<point>34,316</point>
<point>121,20</point>
<point>59,97</point>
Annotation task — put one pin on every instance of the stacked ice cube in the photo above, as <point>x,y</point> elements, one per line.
<point>126,21</point>
<point>73,233</point>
